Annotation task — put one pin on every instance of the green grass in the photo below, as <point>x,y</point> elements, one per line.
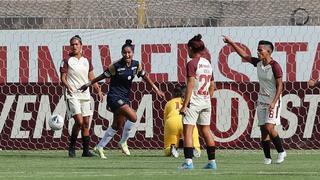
<point>151,165</point>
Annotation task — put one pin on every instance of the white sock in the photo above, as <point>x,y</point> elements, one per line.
<point>128,126</point>
<point>107,137</point>
<point>212,161</point>
<point>188,161</point>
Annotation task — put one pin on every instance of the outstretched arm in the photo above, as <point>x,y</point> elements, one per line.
<point>93,81</point>
<point>154,87</point>
<point>95,85</point>
<point>238,49</point>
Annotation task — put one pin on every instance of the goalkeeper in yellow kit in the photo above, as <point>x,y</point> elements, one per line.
<point>173,128</point>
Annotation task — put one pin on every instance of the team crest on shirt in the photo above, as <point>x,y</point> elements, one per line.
<point>129,77</point>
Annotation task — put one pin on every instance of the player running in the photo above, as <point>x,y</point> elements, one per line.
<point>196,107</point>
<point>269,97</point>
<point>121,74</point>
<point>76,71</point>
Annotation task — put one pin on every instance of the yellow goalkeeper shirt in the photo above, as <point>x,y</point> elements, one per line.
<point>171,110</point>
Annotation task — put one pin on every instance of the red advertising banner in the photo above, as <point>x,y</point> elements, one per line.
<point>26,108</point>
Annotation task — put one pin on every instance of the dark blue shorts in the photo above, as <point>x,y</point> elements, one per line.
<point>115,103</point>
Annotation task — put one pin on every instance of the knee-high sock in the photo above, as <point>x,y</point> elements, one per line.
<point>73,140</point>
<point>277,144</point>
<point>128,126</point>
<point>266,148</point>
<point>85,143</point>
<point>107,137</point>
<point>211,151</point>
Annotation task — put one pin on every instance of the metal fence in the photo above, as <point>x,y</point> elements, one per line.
<point>111,14</point>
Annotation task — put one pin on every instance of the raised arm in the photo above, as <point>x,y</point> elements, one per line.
<point>238,49</point>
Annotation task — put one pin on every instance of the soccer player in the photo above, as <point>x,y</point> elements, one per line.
<point>173,128</point>
<point>196,107</point>
<point>269,97</point>
<point>76,71</point>
<point>121,74</point>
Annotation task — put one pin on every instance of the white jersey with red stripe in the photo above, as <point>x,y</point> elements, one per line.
<point>201,69</point>
<point>77,71</point>
<point>267,75</point>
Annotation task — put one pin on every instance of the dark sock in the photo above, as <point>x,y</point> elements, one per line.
<point>85,143</point>
<point>188,152</point>
<point>180,144</point>
<point>277,144</point>
<point>73,140</point>
<point>266,148</point>
<point>211,151</point>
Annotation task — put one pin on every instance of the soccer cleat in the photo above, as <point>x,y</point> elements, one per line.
<point>210,165</point>
<point>186,166</point>
<point>174,151</point>
<point>267,161</point>
<point>196,153</point>
<point>72,152</point>
<point>124,148</point>
<point>281,157</point>
<point>87,154</point>
<point>100,152</point>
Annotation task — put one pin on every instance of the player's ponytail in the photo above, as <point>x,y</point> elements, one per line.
<point>128,43</point>
<point>196,44</point>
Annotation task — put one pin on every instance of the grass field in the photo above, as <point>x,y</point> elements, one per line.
<point>151,165</point>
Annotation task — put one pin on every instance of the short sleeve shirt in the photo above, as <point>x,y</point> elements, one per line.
<point>77,71</point>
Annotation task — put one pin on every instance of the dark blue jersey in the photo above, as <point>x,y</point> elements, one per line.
<point>121,77</point>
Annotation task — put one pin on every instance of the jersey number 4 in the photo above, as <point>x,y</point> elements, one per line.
<point>204,80</point>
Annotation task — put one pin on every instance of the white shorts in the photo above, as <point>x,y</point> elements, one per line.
<point>265,116</point>
<point>76,106</point>
<point>198,115</point>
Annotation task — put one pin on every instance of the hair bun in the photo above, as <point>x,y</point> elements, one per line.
<point>198,37</point>
<point>77,36</point>
<point>128,42</point>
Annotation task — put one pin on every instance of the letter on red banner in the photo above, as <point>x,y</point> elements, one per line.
<point>146,51</point>
<point>291,49</point>
<point>224,67</point>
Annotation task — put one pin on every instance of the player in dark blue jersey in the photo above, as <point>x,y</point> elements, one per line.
<point>121,74</point>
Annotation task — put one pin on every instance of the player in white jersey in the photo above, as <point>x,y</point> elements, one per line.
<point>269,97</point>
<point>75,72</point>
<point>197,105</point>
